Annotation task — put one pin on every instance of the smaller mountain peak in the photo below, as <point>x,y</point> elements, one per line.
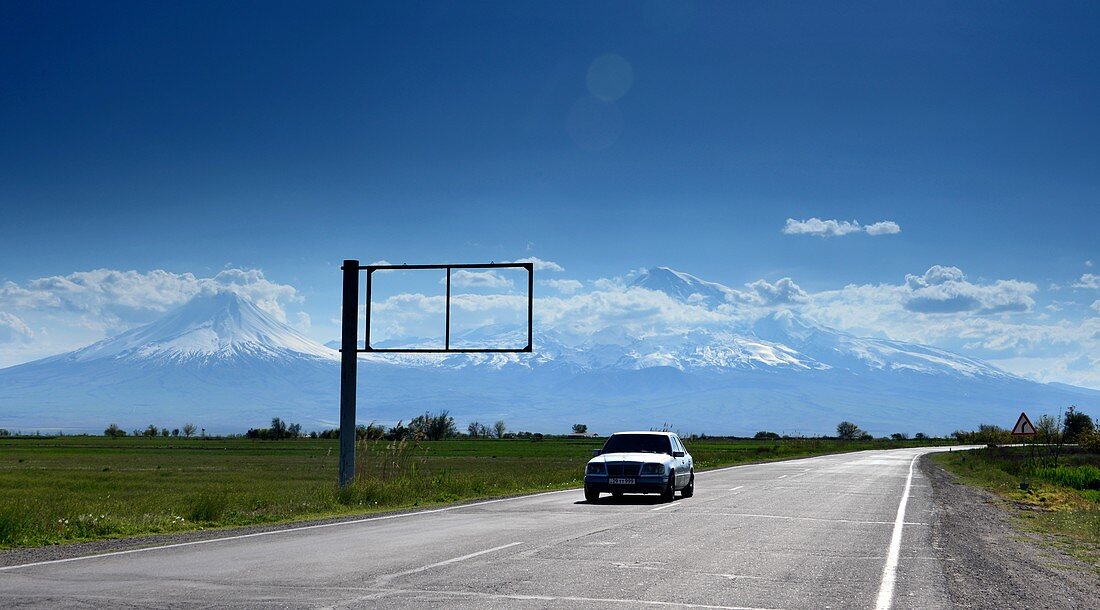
<point>680,285</point>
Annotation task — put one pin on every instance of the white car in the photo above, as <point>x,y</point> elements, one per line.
<point>640,462</point>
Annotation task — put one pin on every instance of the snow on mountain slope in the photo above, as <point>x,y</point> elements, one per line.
<point>209,328</point>
<point>682,286</point>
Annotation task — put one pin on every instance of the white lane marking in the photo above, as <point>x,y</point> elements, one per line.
<point>890,570</point>
<point>388,577</point>
<point>736,488</point>
<point>283,531</point>
<point>565,598</point>
<point>663,506</point>
<point>782,476</point>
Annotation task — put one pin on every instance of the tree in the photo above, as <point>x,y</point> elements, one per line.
<point>899,436</point>
<point>114,431</point>
<point>474,429</point>
<point>164,432</point>
<point>765,435</point>
<point>847,431</point>
<point>920,436</point>
<point>371,432</point>
<point>580,429</point>
<point>176,432</point>
<point>188,430</point>
<point>499,428</point>
<point>278,429</point>
<point>433,427</point>
<point>1075,424</point>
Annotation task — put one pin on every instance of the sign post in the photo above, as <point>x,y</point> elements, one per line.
<point>349,341</point>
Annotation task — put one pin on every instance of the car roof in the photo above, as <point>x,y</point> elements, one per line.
<point>646,432</point>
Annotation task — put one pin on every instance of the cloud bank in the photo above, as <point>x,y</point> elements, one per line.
<point>837,228</point>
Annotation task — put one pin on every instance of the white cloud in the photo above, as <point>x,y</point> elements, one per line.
<point>563,286</point>
<point>121,297</point>
<point>13,329</point>
<point>836,228</point>
<point>1088,281</point>
<point>946,290</point>
<point>783,292</point>
<point>541,265</point>
<point>1096,305</point>
<point>1088,263</point>
<point>886,227</point>
<point>464,278</point>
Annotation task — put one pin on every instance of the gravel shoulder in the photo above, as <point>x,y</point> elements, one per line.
<point>990,562</point>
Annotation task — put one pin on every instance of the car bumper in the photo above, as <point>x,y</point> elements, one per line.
<point>642,484</point>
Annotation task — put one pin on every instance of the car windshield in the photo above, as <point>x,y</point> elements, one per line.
<point>637,443</point>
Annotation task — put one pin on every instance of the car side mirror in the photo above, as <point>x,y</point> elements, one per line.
<point>596,452</point>
<point>677,454</point>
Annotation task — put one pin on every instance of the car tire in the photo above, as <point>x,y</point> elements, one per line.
<point>591,495</point>
<point>669,494</point>
<point>689,490</point>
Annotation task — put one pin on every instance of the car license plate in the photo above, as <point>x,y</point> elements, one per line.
<point>620,481</point>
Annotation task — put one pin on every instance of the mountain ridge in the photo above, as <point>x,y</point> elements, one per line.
<point>223,359</point>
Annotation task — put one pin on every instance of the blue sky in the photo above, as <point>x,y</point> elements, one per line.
<point>284,137</point>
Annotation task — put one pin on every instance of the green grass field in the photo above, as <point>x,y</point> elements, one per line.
<point>1062,502</point>
<point>69,489</point>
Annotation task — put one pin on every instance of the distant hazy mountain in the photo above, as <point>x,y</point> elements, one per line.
<point>223,363</point>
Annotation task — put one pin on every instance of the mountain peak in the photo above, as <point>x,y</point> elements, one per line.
<point>211,326</point>
<point>681,286</point>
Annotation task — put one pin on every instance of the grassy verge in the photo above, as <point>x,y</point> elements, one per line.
<point>1062,502</point>
<point>71,489</point>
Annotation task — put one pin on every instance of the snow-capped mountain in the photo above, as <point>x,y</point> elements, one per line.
<point>224,363</point>
<point>219,361</point>
<point>682,286</point>
<point>209,329</point>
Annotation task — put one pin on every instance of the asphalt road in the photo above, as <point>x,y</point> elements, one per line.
<point>840,531</point>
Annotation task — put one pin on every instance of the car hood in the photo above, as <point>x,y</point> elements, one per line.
<point>662,458</point>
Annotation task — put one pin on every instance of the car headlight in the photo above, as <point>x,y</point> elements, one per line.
<point>653,468</point>
<point>596,468</point>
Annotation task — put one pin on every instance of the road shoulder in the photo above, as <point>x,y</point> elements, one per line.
<point>989,562</point>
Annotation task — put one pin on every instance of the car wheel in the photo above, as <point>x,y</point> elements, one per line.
<point>689,491</point>
<point>669,494</point>
<point>591,495</point>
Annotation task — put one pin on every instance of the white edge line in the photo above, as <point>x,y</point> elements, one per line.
<point>890,570</point>
<point>663,506</point>
<point>736,488</point>
<point>281,531</point>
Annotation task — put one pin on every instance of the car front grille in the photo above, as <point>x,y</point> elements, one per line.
<point>623,469</point>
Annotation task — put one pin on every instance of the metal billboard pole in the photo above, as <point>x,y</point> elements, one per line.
<point>349,352</point>
<point>349,342</point>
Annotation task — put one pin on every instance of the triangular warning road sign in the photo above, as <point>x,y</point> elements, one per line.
<point>1023,426</point>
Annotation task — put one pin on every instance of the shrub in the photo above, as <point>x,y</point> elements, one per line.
<point>1090,441</point>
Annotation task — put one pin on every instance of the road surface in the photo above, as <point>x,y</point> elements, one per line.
<point>839,531</point>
